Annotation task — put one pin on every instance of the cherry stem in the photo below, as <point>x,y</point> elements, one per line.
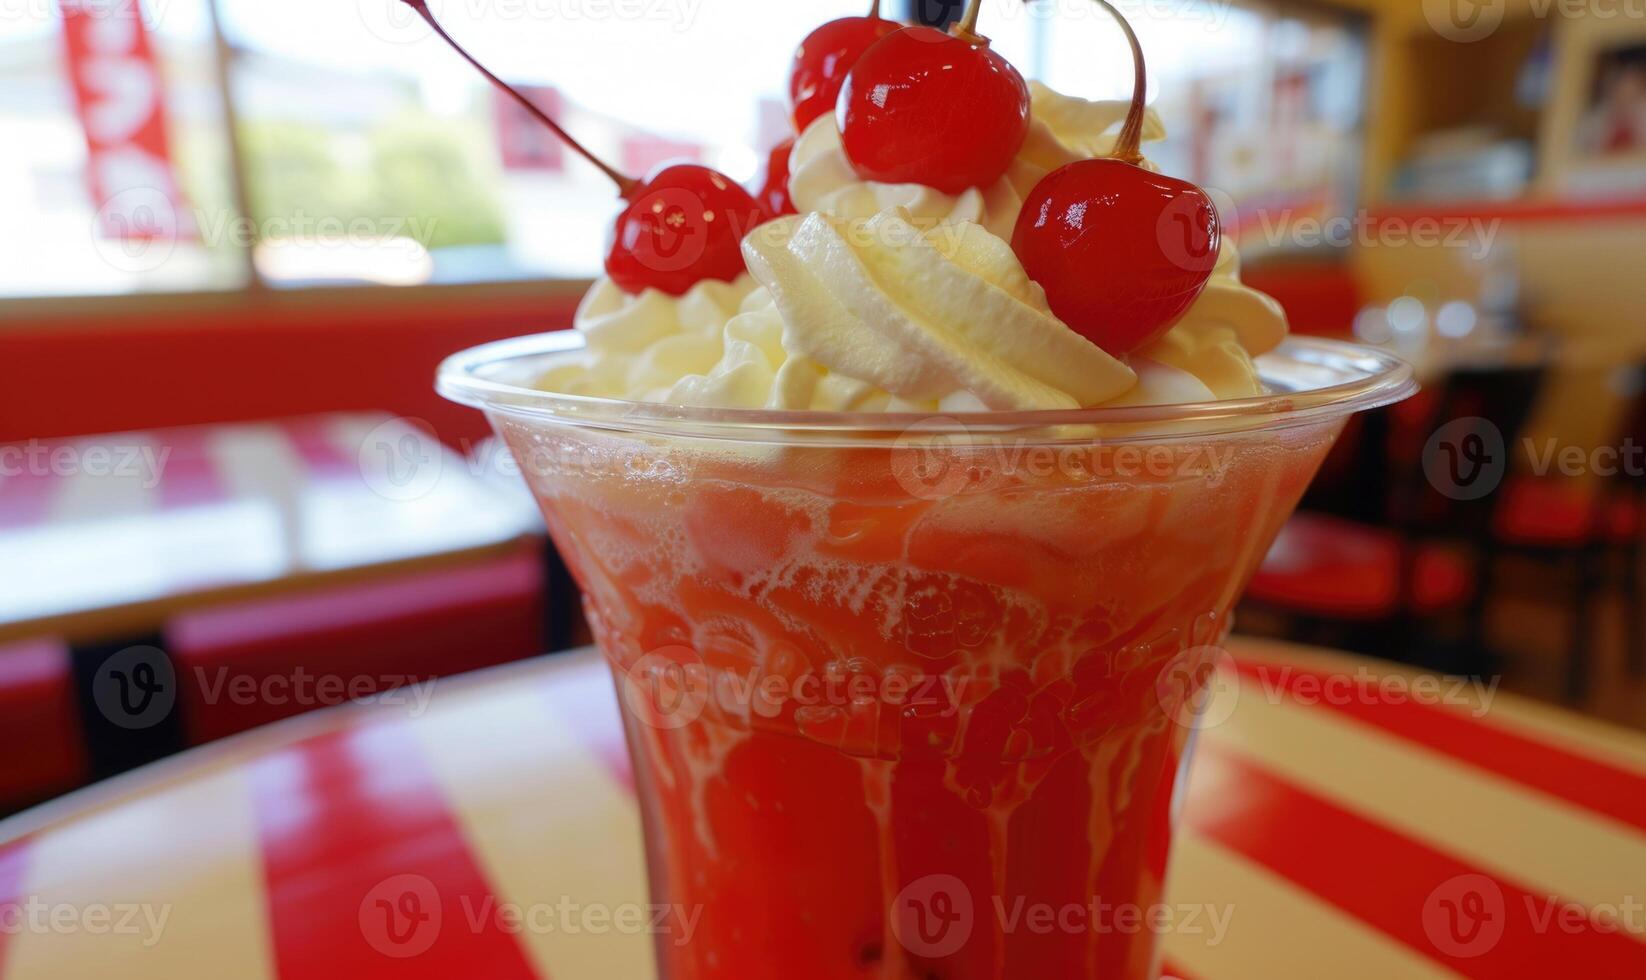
<point>1131,134</point>
<point>966,27</point>
<point>626,186</point>
<point>874,10</point>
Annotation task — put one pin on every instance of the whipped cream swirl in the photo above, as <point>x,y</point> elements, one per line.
<point>898,297</point>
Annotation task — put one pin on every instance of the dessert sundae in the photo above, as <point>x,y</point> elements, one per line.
<point>909,495</point>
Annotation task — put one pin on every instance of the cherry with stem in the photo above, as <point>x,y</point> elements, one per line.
<point>823,59</point>
<point>683,223</point>
<point>1121,251</point>
<point>926,107</point>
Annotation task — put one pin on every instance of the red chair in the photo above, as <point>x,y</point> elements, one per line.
<point>39,724</point>
<point>1334,569</point>
<point>254,663</point>
<point>1400,553</point>
<point>1576,526</point>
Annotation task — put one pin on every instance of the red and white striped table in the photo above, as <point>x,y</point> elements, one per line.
<point>105,536</point>
<point>1347,818</point>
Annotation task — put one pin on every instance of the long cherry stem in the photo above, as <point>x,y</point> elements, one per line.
<point>874,10</point>
<point>626,185</point>
<point>1131,134</point>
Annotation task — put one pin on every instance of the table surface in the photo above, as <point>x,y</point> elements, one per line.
<point>108,535</point>
<point>1350,819</point>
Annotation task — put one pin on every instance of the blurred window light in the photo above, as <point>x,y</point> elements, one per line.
<point>1455,319</point>
<point>1407,315</point>
<point>1372,326</point>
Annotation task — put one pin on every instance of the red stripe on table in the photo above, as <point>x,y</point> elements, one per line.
<point>368,873</point>
<point>584,698</point>
<point>14,863</point>
<point>1577,779</point>
<point>27,486</point>
<point>189,475</point>
<point>315,442</point>
<point>1470,921</point>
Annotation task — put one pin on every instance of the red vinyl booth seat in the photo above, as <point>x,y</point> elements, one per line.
<point>45,753</point>
<point>1331,567</point>
<point>247,665</point>
<point>1540,512</point>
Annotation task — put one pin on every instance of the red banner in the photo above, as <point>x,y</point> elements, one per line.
<point>121,101</point>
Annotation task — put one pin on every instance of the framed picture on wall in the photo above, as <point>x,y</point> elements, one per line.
<point>1594,135</point>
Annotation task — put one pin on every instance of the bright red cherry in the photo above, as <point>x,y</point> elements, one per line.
<point>1122,252</point>
<point>823,59</point>
<point>925,107</point>
<point>683,224</point>
<point>773,194</point>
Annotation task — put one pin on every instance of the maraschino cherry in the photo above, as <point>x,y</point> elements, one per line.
<point>684,223</point>
<point>1122,252</point>
<point>925,107</point>
<point>773,194</point>
<point>825,56</point>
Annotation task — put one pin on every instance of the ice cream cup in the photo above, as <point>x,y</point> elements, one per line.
<point>912,696</point>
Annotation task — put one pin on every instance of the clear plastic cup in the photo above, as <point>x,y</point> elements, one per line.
<point>911,696</point>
